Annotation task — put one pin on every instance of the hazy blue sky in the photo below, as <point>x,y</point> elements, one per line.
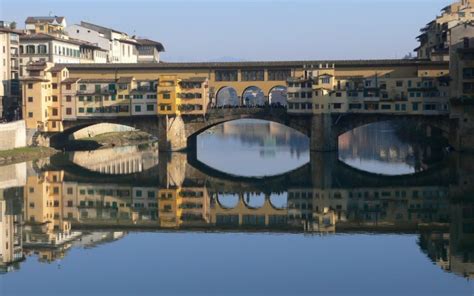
<point>197,30</point>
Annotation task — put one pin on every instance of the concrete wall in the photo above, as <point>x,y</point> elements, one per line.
<point>12,135</point>
<point>13,175</point>
<point>100,128</point>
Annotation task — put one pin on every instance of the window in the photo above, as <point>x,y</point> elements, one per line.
<point>97,87</point>
<point>150,108</point>
<point>90,110</point>
<point>466,42</point>
<point>68,111</point>
<point>81,98</point>
<point>30,114</point>
<point>415,106</point>
<point>385,107</point>
<point>82,87</point>
<point>30,85</point>
<point>326,80</point>
<point>253,75</point>
<point>279,75</point>
<point>226,75</point>
<point>30,99</point>
<point>138,108</point>
<point>55,98</point>
<point>166,95</point>
<point>89,98</point>
<point>68,86</point>
<point>337,105</point>
<point>123,86</point>
<point>399,83</point>
<point>30,49</point>
<point>68,99</point>
<point>55,112</point>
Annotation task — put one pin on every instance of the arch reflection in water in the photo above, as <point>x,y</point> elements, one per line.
<point>264,148</point>
<point>118,160</point>
<point>389,148</point>
<point>77,206</point>
<point>228,201</point>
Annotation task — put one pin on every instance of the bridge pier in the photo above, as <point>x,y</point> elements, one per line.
<point>322,136</point>
<point>461,130</point>
<point>171,133</point>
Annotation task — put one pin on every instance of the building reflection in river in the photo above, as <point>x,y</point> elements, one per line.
<point>372,146</point>
<point>71,205</point>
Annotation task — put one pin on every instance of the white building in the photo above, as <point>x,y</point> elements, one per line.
<point>149,51</point>
<point>122,48</point>
<point>9,72</point>
<point>48,48</point>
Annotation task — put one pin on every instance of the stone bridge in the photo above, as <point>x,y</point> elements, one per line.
<point>177,133</point>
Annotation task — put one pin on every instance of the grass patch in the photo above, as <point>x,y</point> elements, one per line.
<point>24,154</point>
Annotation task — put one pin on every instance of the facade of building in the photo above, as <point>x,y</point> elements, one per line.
<point>323,89</point>
<point>122,48</point>
<point>462,60</point>
<point>48,48</point>
<point>149,51</point>
<point>51,25</point>
<point>435,37</point>
<point>398,87</point>
<point>10,97</point>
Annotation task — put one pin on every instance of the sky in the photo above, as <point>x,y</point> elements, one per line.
<point>217,30</point>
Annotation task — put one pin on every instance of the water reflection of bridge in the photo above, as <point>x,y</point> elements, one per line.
<point>65,202</point>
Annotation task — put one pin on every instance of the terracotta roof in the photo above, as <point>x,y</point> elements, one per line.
<point>41,36</point>
<point>70,80</point>
<point>57,68</point>
<point>125,79</point>
<point>129,41</point>
<point>91,26</point>
<point>8,30</point>
<point>98,80</point>
<point>148,42</point>
<point>38,19</point>
<point>194,79</point>
<point>34,79</point>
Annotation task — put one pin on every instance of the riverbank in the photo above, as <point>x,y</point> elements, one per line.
<point>109,140</point>
<point>25,154</point>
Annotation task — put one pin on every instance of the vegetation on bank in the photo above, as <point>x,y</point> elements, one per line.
<point>25,154</point>
<point>109,140</point>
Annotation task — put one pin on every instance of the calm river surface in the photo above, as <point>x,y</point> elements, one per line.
<point>253,212</point>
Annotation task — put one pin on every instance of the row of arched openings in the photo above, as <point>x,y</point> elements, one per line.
<point>252,97</point>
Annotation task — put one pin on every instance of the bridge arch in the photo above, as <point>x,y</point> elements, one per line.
<point>253,96</point>
<point>278,95</point>
<point>227,96</point>
<point>147,124</point>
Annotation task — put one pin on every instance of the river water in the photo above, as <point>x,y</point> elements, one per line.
<point>252,212</point>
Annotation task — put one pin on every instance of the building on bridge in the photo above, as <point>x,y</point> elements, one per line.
<point>176,101</point>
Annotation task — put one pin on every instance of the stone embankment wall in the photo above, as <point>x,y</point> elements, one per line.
<point>12,135</point>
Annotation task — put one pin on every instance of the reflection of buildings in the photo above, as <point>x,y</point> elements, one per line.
<point>11,246</point>
<point>453,251</point>
<point>267,135</point>
<point>373,143</point>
